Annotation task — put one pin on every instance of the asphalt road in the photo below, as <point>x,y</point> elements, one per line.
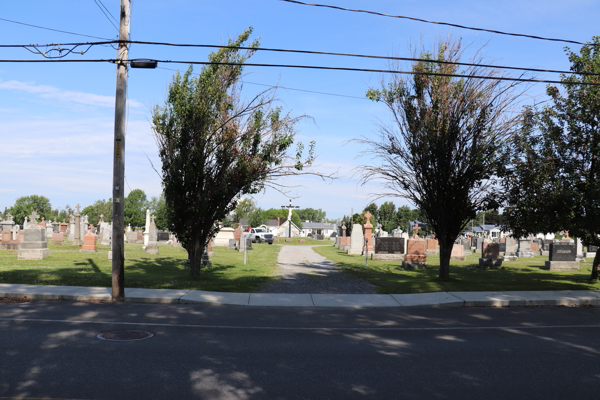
<point>50,350</point>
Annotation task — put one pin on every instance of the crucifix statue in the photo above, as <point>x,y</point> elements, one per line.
<point>290,208</point>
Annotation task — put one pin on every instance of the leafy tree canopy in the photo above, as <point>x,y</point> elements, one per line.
<point>216,147</point>
<point>551,179</point>
<point>25,205</point>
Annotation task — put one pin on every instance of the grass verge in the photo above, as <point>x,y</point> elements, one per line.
<point>524,274</point>
<point>68,267</point>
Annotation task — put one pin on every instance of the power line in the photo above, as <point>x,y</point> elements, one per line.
<point>500,78</point>
<point>285,87</point>
<point>105,14</point>
<point>441,23</point>
<point>386,71</point>
<point>107,10</point>
<point>364,56</point>
<point>51,29</point>
<point>323,53</point>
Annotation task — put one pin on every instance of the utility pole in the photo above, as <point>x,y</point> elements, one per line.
<point>118,243</point>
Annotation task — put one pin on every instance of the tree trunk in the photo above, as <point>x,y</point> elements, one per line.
<point>445,253</point>
<point>196,256</point>
<point>595,266</point>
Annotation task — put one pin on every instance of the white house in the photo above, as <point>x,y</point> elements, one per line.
<point>318,228</point>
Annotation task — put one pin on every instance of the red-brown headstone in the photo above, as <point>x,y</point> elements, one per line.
<point>89,241</point>
<point>416,246</point>
<point>490,250</point>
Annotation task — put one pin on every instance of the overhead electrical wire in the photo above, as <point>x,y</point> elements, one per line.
<point>441,23</point>
<point>499,78</point>
<point>318,53</point>
<point>105,14</point>
<point>51,29</point>
<point>285,87</point>
<point>108,11</point>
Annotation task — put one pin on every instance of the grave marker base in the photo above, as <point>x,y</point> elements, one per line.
<point>33,254</point>
<point>562,265</point>
<point>388,257</point>
<point>490,262</point>
<point>414,264</point>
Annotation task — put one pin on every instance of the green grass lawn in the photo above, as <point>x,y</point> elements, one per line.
<point>524,274</point>
<point>307,242</point>
<point>67,266</point>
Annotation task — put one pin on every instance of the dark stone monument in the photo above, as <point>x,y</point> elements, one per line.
<point>320,237</point>
<point>389,248</point>
<point>563,257</point>
<point>502,247</point>
<point>163,236</point>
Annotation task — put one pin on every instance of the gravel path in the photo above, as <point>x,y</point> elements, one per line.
<point>304,271</point>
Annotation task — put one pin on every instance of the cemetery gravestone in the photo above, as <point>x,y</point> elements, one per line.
<point>132,237</point>
<point>432,247</point>
<point>591,251</point>
<point>416,256</point>
<point>152,245</point>
<point>232,244</point>
<point>458,252</point>
<point>489,255</point>
<point>224,236</point>
<point>357,241</point>
<point>147,230</point>
<point>511,250</point>
<point>107,235</point>
<point>89,242</point>
<point>563,257</point>
<point>58,238</point>
<point>525,248</point>
<point>368,232</point>
<point>389,248</point>
<point>35,245</point>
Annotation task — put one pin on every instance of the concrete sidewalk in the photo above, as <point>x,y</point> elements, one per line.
<point>437,299</point>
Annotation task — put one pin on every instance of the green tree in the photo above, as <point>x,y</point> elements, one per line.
<point>244,209</point>
<point>442,153</point>
<point>134,211</point>
<point>25,205</point>
<point>216,147</point>
<point>311,214</point>
<point>158,207</point>
<point>552,178</point>
<point>100,207</point>
<point>386,214</point>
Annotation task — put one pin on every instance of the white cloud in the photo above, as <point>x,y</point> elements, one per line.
<point>66,96</point>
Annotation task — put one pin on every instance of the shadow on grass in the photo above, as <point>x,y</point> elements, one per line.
<point>390,277</point>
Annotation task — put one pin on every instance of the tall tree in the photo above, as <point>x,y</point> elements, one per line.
<point>386,216</point>
<point>215,147</point>
<point>136,204</point>
<point>244,209</point>
<point>311,214</point>
<point>25,205</point>
<point>158,207</point>
<point>100,207</point>
<point>442,152</point>
<point>552,180</point>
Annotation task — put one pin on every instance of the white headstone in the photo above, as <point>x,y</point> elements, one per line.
<point>147,230</point>
<point>357,240</point>
<point>579,248</point>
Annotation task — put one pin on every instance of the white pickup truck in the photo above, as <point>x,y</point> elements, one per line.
<point>260,235</point>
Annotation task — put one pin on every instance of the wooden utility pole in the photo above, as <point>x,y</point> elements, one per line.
<point>118,233</point>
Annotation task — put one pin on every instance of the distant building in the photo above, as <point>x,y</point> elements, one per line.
<point>318,228</point>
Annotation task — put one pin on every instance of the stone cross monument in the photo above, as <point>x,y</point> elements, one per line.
<point>290,207</point>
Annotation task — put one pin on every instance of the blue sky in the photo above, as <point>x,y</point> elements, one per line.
<point>57,131</point>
